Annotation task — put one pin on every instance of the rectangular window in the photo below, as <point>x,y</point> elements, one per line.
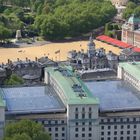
<point>109,127</point>
<point>76,123</point>
<point>90,135</point>
<point>90,129</point>
<point>102,127</point>
<point>134,132</point>
<point>122,126</point>
<point>83,135</point>
<point>115,132</point>
<point>50,129</point>
<point>89,115</point>
<point>76,129</point>
<point>128,126</point>
<point>83,129</point>
<point>128,138</point>
<point>76,135</point>
<point>83,116</point>
<point>121,138</point>
<point>121,132</point>
<point>63,128</point>
<point>102,133</point>
<point>89,109</point>
<point>56,134</point>
<point>76,116</point>
<point>128,132</point>
<point>135,126</point>
<point>63,134</point>
<point>108,132</point>
<point>90,123</point>
<point>115,127</point>
<point>115,138</point>
<point>56,129</point>
<point>108,138</point>
<point>134,138</point>
<point>62,121</point>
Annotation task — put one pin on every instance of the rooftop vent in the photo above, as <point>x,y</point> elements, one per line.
<point>79,90</point>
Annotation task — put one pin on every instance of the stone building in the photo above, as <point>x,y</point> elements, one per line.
<point>131,31</point>
<point>119,2</point>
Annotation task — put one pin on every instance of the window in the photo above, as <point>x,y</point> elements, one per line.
<point>56,128</point>
<point>128,138</point>
<point>90,135</point>
<point>115,127</point>
<point>134,119</point>
<point>56,122</point>
<point>76,109</point>
<point>76,129</point>
<point>89,115</point>
<point>128,126</point>
<point>102,120</point>
<point>63,134</point>
<point>115,119</point>
<point>83,123</point>
<point>115,132</point>
<point>121,132</point>
<point>122,126</point>
<point>89,109</point>
<point>108,138</point>
<point>76,116</point>
<point>102,127</point>
<point>76,123</point>
<point>121,138</point>
<point>76,135</point>
<point>108,120</point>
<point>134,132</point>
<point>109,127</point>
<point>102,138</point>
<point>115,138</point>
<point>90,123</point>
<point>121,120</point>
<point>56,134</point>
<point>90,128</point>
<point>128,132</point>
<point>63,128</point>
<point>83,129</point>
<point>49,122</point>
<point>108,132</point>
<point>134,138</point>
<point>83,135</point>
<point>102,133</point>
<point>62,121</point>
<point>83,116</point>
<point>83,109</point>
<point>50,129</point>
<point>127,119</point>
<point>135,126</point>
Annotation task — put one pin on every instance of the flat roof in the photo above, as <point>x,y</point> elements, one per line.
<point>132,67</point>
<point>66,83</point>
<point>20,100</point>
<point>115,95</point>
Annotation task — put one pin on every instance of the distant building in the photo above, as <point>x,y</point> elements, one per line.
<point>92,59</point>
<point>72,110</point>
<point>119,2</point>
<point>131,31</point>
<point>130,72</point>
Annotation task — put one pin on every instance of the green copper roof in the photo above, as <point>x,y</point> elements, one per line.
<point>132,67</point>
<point>2,104</point>
<point>66,83</point>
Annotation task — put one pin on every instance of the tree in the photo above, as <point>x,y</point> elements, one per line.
<point>14,80</point>
<point>25,130</point>
<point>4,33</point>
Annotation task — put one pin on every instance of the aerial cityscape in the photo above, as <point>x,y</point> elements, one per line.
<point>70,70</point>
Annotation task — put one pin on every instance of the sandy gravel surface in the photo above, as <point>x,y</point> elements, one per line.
<point>49,50</point>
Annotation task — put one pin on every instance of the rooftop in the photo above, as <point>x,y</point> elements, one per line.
<point>115,95</point>
<point>74,90</point>
<point>132,67</point>
<point>22,100</point>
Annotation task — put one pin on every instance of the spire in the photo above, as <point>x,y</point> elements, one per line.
<point>91,44</point>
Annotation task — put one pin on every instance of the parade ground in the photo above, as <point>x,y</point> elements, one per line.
<point>49,50</point>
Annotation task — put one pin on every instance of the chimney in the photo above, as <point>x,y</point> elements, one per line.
<point>26,59</point>
<point>18,59</point>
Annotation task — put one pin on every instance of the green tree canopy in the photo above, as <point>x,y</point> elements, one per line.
<point>25,130</point>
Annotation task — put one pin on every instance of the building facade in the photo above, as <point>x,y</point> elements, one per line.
<point>70,109</point>
<point>131,31</point>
